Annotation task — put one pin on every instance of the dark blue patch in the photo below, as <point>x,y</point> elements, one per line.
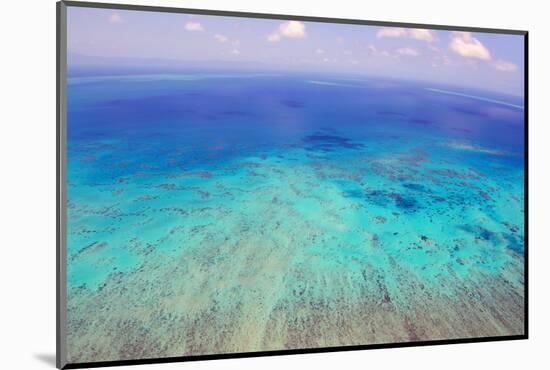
<point>470,112</point>
<point>514,243</point>
<point>415,187</point>
<point>292,104</point>
<point>461,130</point>
<point>423,122</point>
<point>384,198</point>
<point>377,197</point>
<point>327,142</point>
<point>485,234</point>
<point>404,203</point>
<point>479,232</point>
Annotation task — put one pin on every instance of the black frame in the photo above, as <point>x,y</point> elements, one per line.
<point>61,69</point>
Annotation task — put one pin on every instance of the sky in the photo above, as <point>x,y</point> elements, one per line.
<point>486,61</point>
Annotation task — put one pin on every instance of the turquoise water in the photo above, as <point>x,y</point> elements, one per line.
<point>216,213</point>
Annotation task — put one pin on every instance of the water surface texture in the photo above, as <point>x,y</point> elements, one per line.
<point>218,213</point>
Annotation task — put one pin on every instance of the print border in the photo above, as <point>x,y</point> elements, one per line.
<point>61,195</point>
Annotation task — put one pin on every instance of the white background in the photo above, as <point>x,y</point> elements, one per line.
<point>27,155</point>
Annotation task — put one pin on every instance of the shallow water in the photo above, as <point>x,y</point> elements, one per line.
<point>219,213</point>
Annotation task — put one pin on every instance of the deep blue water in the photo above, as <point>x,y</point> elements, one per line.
<point>245,114</point>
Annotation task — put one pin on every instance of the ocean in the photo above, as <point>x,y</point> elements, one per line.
<point>234,212</point>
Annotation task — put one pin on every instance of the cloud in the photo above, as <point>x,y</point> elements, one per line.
<point>409,52</point>
<point>235,51</point>
<point>291,29</point>
<point>391,32</point>
<point>505,66</point>
<point>463,43</point>
<point>413,33</point>
<point>373,51</point>
<point>193,26</point>
<point>115,18</point>
<point>319,51</point>
<point>221,38</point>
<point>422,34</point>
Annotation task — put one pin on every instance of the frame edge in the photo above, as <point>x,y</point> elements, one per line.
<point>526,184</point>
<point>61,120</point>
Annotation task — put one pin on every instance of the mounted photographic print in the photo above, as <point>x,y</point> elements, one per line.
<point>237,184</point>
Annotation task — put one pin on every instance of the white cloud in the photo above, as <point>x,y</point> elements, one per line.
<point>422,34</point>
<point>319,51</point>
<point>463,43</point>
<point>391,32</point>
<point>409,52</point>
<point>291,29</point>
<point>505,66</point>
<point>115,18</point>
<point>193,26</point>
<point>221,38</point>
<point>235,51</point>
<point>414,33</point>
